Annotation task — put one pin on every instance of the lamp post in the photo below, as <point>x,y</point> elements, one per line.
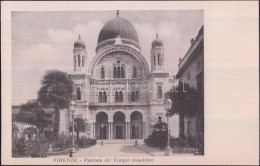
<point>102,126</point>
<point>72,109</point>
<point>136,143</point>
<point>167,107</point>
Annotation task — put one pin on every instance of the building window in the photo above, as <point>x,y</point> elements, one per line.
<point>116,97</point>
<point>83,61</point>
<point>78,93</point>
<point>158,59</point>
<point>159,92</point>
<point>159,119</point>
<point>122,72</point>
<point>102,72</point>
<point>137,95</point>
<point>104,97</point>
<point>189,128</point>
<point>74,61</point>
<point>188,75</point>
<point>154,60</point>
<point>100,97</point>
<point>118,72</point>
<point>121,96</point>
<point>134,73</point>
<point>114,72</point>
<point>78,60</point>
<point>132,96</point>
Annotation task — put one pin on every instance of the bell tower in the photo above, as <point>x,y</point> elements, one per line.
<point>157,55</point>
<point>79,56</point>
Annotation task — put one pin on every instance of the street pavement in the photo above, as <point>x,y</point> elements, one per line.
<point>120,150</point>
<point>109,150</point>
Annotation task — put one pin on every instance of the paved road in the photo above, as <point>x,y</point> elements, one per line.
<point>110,150</point>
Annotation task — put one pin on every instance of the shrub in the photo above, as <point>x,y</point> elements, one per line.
<point>62,142</point>
<point>19,147</point>
<point>158,138</point>
<point>84,142</point>
<point>30,148</point>
<point>37,147</point>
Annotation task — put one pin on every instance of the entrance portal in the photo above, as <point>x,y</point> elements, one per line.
<point>101,120</point>
<point>119,132</point>
<point>103,133</point>
<point>119,126</point>
<point>137,128</point>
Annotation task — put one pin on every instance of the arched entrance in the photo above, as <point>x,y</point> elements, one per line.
<point>101,126</point>
<point>136,125</point>
<point>119,126</point>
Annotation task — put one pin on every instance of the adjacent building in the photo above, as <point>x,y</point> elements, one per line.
<point>191,69</point>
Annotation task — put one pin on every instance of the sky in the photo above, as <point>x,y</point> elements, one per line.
<point>43,41</point>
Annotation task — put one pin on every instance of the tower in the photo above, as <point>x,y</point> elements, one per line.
<point>157,55</point>
<point>79,56</point>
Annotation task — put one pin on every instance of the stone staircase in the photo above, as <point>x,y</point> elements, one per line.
<point>121,141</point>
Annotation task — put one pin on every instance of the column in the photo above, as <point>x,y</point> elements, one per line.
<point>112,134</point>
<point>109,130</point>
<point>129,135</point>
<point>126,130</point>
<point>144,130</point>
<point>94,130</point>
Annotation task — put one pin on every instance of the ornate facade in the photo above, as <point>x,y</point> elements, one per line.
<point>117,92</point>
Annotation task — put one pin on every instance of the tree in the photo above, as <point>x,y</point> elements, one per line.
<point>33,114</point>
<point>41,120</point>
<point>79,126</point>
<point>186,102</point>
<point>56,91</point>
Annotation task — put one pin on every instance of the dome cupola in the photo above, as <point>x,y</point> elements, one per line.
<point>118,27</point>
<point>79,43</point>
<point>157,43</point>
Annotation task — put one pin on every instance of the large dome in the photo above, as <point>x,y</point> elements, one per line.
<point>118,27</point>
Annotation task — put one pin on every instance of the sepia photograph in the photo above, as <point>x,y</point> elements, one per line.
<point>107,83</point>
<point>127,83</point>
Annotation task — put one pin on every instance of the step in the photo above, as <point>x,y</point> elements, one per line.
<point>120,141</point>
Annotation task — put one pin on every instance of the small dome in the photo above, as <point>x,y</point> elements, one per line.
<point>157,43</point>
<point>118,26</point>
<point>79,43</point>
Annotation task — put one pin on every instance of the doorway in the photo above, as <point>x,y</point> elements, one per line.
<point>119,132</point>
<point>135,131</point>
<point>103,132</point>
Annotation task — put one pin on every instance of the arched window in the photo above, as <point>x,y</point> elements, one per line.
<point>118,72</point>
<point>134,72</point>
<point>104,97</point>
<point>78,93</point>
<point>78,60</point>
<point>83,61</point>
<point>121,96</point>
<point>132,96</point>
<point>114,72</point>
<point>122,72</point>
<point>74,61</point>
<point>159,119</point>
<point>159,92</point>
<point>159,59</point>
<point>102,72</point>
<point>154,60</point>
<point>100,97</point>
<point>116,97</point>
<point>137,96</point>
